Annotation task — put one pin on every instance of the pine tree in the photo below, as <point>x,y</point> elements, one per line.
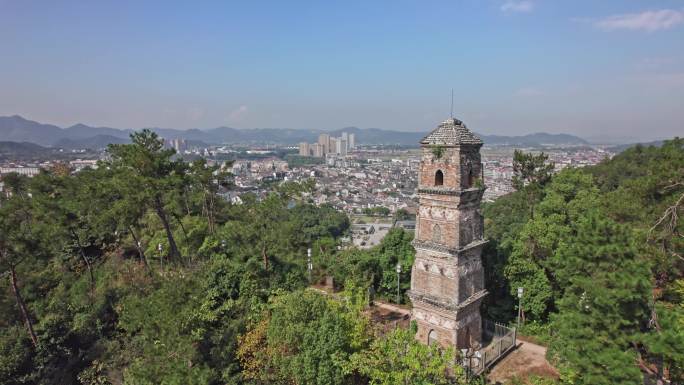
<point>605,306</point>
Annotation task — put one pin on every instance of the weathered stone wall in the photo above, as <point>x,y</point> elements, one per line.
<point>456,227</point>
<point>445,337</point>
<point>445,218</point>
<point>448,164</point>
<point>470,226</point>
<point>469,333</point>
<point>470,279</point>
<point>470,166</point>
<point>455,278</point>
<point>460,166</point>
<point>462,331</point>
<point>435,277</point>
<point>472,272</point>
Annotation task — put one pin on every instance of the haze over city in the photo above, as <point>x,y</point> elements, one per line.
<point>600,70</point>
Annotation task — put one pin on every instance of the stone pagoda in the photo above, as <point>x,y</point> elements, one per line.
<point>447,279</point>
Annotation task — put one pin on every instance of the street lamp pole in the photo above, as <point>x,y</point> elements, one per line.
<point>398,287</point>
<point>161,256</point>
<point>520,294</point>
<point>140,253</point>
<point>309,263</point>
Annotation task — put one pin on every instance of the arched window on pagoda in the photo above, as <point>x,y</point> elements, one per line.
<point>439,178</point>
<point>432,337</point>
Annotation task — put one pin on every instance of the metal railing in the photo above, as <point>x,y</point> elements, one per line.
<point>498,339</point>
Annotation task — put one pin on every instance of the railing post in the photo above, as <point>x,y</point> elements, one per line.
<point>500,341</point>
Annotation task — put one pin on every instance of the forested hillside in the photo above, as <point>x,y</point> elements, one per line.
<point>138,273</point>
<point>600,255</point>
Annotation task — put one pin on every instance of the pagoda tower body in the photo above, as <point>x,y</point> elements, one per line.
<point>447,278</point>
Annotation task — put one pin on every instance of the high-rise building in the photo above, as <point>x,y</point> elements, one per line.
<point>324,140</point>
<point>178,144</point>
<point>317,150</point>
<point>351,141</point>
<point>333,146</point>
<point>340,146</point>
<point>447,278</point>
<point>304,149</point>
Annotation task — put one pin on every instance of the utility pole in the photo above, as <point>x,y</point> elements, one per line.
<point>398,287</point>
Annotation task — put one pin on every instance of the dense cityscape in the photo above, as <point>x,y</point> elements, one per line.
<point>371,184</point>
<point>350,176</point>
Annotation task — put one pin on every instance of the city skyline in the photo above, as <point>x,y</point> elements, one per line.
<point>591,69</point>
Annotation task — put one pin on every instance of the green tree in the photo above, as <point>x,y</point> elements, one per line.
<point>504,220</point>
<point>306,339</point>
<point>127,206</point>
<point>205,183</point>
<point>530,174</point>
<point>398,358</point>
<point>16,353</point>
<point>377,266</point>
<point>19,242</point>
<point>664,346</point>
<point>403,215</point>
<point>162,347</point>
<point>603,309</point>
<point>60,201</point>
<point>535,263</point>
<point>147,163</point>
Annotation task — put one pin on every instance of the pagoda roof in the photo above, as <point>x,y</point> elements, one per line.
<point>451,132</point>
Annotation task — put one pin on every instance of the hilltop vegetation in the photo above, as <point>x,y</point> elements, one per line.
<point>138,273</point>
<point>600,255</point>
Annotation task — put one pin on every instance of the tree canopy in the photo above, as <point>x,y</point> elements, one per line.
<point>598,251</point>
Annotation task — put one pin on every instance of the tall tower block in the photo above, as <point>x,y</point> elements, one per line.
<point>447,279</point>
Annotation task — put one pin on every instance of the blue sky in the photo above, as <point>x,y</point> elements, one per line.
<point>592,68</point>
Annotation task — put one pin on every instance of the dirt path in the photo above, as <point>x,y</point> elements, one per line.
<point>527,359</point>
<point>391,307</point>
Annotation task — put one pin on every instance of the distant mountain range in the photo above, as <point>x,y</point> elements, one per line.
<point>18,129</point>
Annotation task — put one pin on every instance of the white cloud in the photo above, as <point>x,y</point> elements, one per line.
<point>644,21</point>
<point>529,92</point>
<point>238,113</point>
<point>517,6</point>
